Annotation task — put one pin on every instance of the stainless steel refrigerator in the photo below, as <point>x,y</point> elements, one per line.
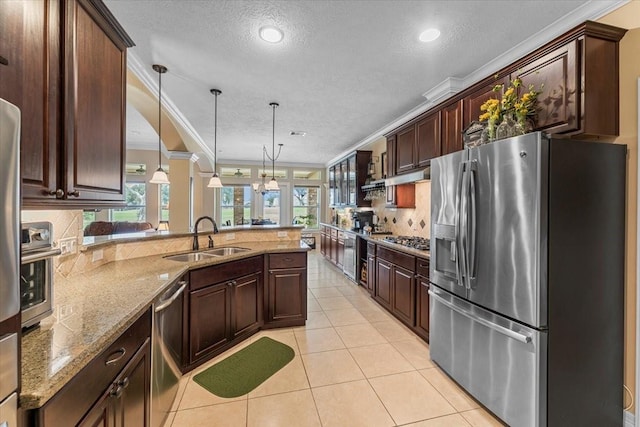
<point>9,261</point>
<point>527,278</point>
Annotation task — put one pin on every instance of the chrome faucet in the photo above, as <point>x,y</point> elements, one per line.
<point>196,245</point>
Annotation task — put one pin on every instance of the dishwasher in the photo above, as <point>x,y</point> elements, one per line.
<point>166,357</point>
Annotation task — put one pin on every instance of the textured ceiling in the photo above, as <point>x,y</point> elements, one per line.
<point>345,70</point>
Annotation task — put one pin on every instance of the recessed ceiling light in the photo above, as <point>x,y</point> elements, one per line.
<point>271,34</point>
<point>297,133</point>
<point>429,35</point>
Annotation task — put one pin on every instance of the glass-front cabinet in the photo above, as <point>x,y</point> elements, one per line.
<point>345,179</point>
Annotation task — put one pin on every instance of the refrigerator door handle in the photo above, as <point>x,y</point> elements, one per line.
<point>471,235</point>
<point>457,239</point>
<point>523,338</point>
<point>464,226</point>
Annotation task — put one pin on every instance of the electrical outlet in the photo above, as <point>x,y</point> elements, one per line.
<point>68,246</point>
<point>96,255</point>
<point>230,236</point>
<point>282,234</point>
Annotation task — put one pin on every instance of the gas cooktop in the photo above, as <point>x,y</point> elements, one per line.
<point>419,243</point>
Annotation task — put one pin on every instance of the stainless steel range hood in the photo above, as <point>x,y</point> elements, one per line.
<point>411,177</point>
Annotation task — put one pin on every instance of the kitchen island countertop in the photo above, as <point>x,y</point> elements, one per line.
<point>92,309</point>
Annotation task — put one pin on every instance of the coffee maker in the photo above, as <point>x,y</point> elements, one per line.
<point>360,219</point>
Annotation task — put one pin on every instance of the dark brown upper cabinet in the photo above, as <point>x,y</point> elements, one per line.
<point>68,77</point>
<point>428,139</point>
<point>406,149</point>
<point>345,179</point>
<point>579,76</point>
<point>452,127</point>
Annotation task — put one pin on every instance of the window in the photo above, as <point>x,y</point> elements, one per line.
<point>164,202</point>
<point>135,194</point>
<point>88,217</point>
<point>271,207</point>
<point>235,205</point>
<point>306,209</point>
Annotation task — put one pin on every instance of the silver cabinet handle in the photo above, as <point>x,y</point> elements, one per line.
<point>173,297</point>
<point>74,193</point>
<point>526,339</point>
<point>59,193</point>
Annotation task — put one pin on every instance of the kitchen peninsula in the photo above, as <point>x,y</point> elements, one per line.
<point>110,304</point>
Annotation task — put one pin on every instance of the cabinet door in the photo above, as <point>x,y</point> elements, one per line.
<point>246,311</point>
<point>383,283</point>
<point>473,102</point>
<point>95,106</point>
<point>557,73</point>
<point>287,299</point>
<point>452,128</point>
<point>332,185</point>
<point>102,414</point>
<point>334,249</point>
<point>428,139</point>
<point>404,296</point>
<point>209,319</point>
<point>323,244</point>
<point>351,184</point>
<point>133,404</point>
<point>391,157</point>
<point>405,149</point>
<point>422,307</point>
<point>29,41</point>
<point>371,274</point>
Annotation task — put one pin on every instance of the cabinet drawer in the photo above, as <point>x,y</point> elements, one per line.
<point>341,235</point>
<point>334,233</point>
<point>422,267</point>
<point>288,260</point>
<point>211,275</point>
<point>70,404</point>
<point>397,258</point>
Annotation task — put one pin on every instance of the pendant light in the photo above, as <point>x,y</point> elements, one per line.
<point>159,176</point>
<point>273,184</point>
<point>215,182</point>
<point>260,186</point>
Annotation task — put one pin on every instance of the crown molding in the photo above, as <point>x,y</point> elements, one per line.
<point>444,90</point>
<point>183,155</point>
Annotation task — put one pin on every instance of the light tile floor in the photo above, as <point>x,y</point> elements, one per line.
<point>354,365</point>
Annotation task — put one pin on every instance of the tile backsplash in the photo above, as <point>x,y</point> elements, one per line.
<point>408,222</point>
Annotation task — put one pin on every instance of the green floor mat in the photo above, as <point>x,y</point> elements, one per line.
<point>245,370</point>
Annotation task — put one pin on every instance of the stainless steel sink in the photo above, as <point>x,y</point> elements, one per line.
<point>229,250</point>
<point>190,257</point>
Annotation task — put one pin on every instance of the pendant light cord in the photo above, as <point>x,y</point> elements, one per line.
<point>273,143</point>
<point>159,118</point>
<point>215,135</point>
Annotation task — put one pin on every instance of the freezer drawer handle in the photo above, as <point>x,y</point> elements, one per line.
<point>526,339</point>
<point>175,296</point>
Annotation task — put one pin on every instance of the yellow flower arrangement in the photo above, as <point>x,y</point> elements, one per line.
<point>522,107</point>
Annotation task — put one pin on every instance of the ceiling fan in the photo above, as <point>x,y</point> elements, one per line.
<point>238,173</point>
<point>142,170</point>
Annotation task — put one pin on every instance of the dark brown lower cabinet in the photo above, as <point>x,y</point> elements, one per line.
<point>222,312</point>
<point>286,290</point>
<point>371,273</point>
<point>404,296</point>
<point>422,307</point>
<point>126,402</point>
<point>113,390</point>
<point>395,285</point>
<point>209,320</point>
<point>383,283</point>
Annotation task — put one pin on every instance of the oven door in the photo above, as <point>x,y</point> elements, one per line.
<point>36,278</point>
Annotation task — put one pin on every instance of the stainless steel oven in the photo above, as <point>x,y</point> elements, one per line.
<point>36,272</point>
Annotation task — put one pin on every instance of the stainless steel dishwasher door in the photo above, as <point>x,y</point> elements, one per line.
<point>167,350</point>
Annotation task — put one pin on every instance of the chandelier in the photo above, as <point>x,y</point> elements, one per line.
<point>272,185</point>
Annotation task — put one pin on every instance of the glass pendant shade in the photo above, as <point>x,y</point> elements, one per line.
<point>215,182</point>
<point>159,177</point>
<point>273,185</point>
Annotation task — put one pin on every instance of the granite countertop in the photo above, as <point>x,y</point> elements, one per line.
<point>92,309</point>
